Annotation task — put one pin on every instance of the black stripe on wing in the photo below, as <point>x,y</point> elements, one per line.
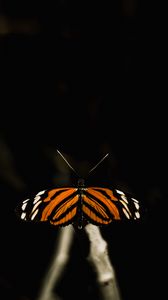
<point>94,211</point>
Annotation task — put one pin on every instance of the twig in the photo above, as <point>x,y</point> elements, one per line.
<point>101,263</point>
<point>57,266</point>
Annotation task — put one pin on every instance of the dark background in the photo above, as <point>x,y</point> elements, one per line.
<point>86,78</point>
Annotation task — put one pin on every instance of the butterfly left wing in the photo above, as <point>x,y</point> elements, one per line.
<point>102,205</point>
<point>58,206</point>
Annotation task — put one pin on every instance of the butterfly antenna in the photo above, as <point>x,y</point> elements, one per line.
<point>67,163</point>
<point>98,163</point>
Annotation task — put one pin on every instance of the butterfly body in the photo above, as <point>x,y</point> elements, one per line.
<point>79,205</point>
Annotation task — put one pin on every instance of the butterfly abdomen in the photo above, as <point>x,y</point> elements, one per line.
<point>80,222</point>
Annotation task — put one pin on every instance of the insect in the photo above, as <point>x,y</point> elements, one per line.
<point>79,205</point>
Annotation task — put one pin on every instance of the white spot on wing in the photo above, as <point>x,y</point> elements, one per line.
<point>23,215</point>
<point>124,198</point>
<point>35,206</point>
<point>126,213</point>
<point>137,214</point>
<point>126,207</point>
<point>136,205</point>
<point>135,200</point>
<point>37,198</point>
<point>24,205</point>
<point>26,200</point>
<point>120,192</point>
<point>35,213</point>
<point>40,193</point>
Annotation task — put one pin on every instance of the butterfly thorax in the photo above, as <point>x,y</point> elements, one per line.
<point>81,182</point>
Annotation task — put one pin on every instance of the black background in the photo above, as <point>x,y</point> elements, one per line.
<point>89,81</point>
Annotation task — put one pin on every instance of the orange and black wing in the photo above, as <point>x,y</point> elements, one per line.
<point>57,206</point>
<point>101,206</point>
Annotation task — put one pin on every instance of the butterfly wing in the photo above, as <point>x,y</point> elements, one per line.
<point>102,205</point>
<point>58,206</point>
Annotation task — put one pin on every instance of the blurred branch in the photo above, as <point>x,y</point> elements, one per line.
<point>57,266</point>
<point>100,261</point>
<point>18,26</point>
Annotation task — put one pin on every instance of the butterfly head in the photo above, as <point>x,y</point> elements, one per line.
<point>81,182</point>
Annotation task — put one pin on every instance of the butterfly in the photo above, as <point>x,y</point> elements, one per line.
<point>79,205</point>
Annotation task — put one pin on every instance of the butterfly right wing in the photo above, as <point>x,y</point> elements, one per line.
<point>57,206</point>
<point>101,206</point>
